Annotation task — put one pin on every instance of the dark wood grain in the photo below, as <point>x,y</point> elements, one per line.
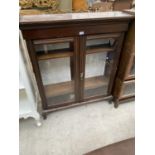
<point>55,40</point>
<point>73,30</point>
<point>82,65</point>
<point>77,69</point>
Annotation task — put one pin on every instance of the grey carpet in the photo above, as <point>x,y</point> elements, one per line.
<point>77,130</point>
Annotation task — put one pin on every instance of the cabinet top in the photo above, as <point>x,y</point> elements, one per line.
<point>69,17</point>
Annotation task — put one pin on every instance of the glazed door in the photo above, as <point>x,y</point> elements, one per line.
<point>57,65</point>
<point>100,64</point>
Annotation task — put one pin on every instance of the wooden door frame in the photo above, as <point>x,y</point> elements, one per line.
<point>37,72</point>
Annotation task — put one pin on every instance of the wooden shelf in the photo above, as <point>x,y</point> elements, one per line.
<point>68,87</point>
<point>99,48</point>
<point>53,54</point>
<point>59,89</point>
<point>95,82</point>
<point>96,86</point>
<point>51,41</point>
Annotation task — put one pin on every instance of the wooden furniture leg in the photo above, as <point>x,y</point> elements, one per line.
<point>116,103</point>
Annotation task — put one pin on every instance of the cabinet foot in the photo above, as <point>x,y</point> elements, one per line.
<point>44,116</point>
<point>116,105</point>
<point>116,102</point>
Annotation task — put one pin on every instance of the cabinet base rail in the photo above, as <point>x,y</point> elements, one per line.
<point>46,111</point>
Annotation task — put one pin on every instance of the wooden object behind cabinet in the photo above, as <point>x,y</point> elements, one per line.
<point>124,87</point>
<point>120,5</point>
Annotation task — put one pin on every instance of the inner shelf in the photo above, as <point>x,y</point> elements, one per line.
<point>99,48</point>
<point>53,54</point>
<point>68,87</point>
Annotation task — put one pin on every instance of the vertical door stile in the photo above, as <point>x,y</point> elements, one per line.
<point>82,65</point>
<point>76,68</point>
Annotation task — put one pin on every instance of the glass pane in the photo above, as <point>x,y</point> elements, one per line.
<point>57,80</point>
<point>129,89</point>
<point>97,73</point>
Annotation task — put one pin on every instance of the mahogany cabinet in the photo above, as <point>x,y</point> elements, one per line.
<point>124,87</point>
<point>74,56</point>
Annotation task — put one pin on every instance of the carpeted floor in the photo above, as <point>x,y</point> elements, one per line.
<point>77,130</point>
